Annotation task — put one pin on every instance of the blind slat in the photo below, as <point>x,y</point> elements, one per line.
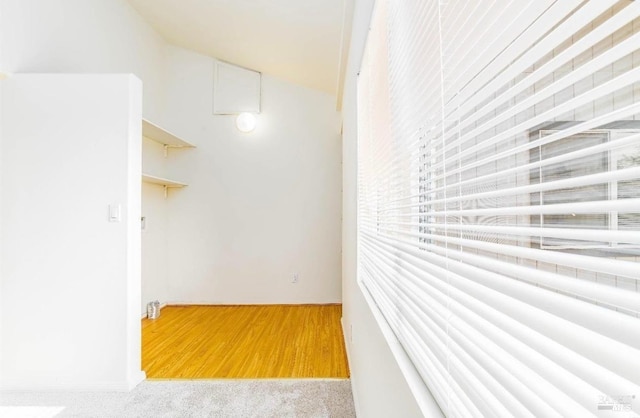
<point>533,320</point>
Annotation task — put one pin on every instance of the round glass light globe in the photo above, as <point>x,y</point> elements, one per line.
<point>246,122</point>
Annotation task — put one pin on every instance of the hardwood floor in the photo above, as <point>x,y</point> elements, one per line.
<point>256,341</point>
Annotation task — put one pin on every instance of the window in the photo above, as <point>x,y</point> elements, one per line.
<point>606,158</point>
<point>499,200</point>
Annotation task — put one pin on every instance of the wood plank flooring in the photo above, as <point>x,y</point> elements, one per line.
<point>261,341</point>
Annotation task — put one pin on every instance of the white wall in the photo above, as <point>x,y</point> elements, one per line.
<point>71,279</point>
<point>155,256</point>
<point>155,274</point>
<point>1,116</point>
<point>80,36</point>
<point>229,219</point>
<point>98,36</point>
<point>259,207</point>
<point>379,387</point>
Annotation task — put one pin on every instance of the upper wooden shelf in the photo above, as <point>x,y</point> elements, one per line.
<point>158,134</point>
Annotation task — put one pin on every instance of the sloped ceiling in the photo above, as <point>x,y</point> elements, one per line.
<point>298,40</point>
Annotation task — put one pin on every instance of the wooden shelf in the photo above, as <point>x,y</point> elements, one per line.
<point>164,137</point>
<point>147,178</point>
<point>155,133</point>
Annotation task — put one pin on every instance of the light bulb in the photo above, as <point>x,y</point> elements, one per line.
<point>246,122</point>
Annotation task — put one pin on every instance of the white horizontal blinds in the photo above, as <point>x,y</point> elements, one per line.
<point>499,206</point>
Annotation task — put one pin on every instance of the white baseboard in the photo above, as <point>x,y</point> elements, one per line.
<point>136,379</point>
<point>347,346</point>
<point>174,303</point>
<point>68,385</point>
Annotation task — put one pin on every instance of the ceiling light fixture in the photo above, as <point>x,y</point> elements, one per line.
<point>246,122</point>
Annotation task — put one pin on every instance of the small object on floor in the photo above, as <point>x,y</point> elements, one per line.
<point>153,309</point>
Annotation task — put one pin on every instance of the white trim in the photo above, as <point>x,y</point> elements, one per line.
<point>136,379</point>
<point>173,303</point>
<point>419,390</point>
<point>62,385</point>
<point>191,303</point>
<point>347,346</point>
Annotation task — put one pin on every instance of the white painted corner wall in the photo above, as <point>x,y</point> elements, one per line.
<point>71,278</point>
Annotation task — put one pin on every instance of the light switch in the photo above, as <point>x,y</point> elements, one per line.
<point>114,213</point>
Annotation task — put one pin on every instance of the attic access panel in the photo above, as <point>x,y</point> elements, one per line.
<point>235,90</point>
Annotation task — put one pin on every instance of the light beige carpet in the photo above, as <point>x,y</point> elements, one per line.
<point>265,398</point>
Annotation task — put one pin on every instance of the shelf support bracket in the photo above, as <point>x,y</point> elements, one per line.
<point>166,150</point>
<point>166,191</point>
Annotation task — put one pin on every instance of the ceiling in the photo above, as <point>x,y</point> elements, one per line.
<point>298,40</point>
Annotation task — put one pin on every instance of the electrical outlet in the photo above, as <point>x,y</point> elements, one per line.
<point>295,278</point>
